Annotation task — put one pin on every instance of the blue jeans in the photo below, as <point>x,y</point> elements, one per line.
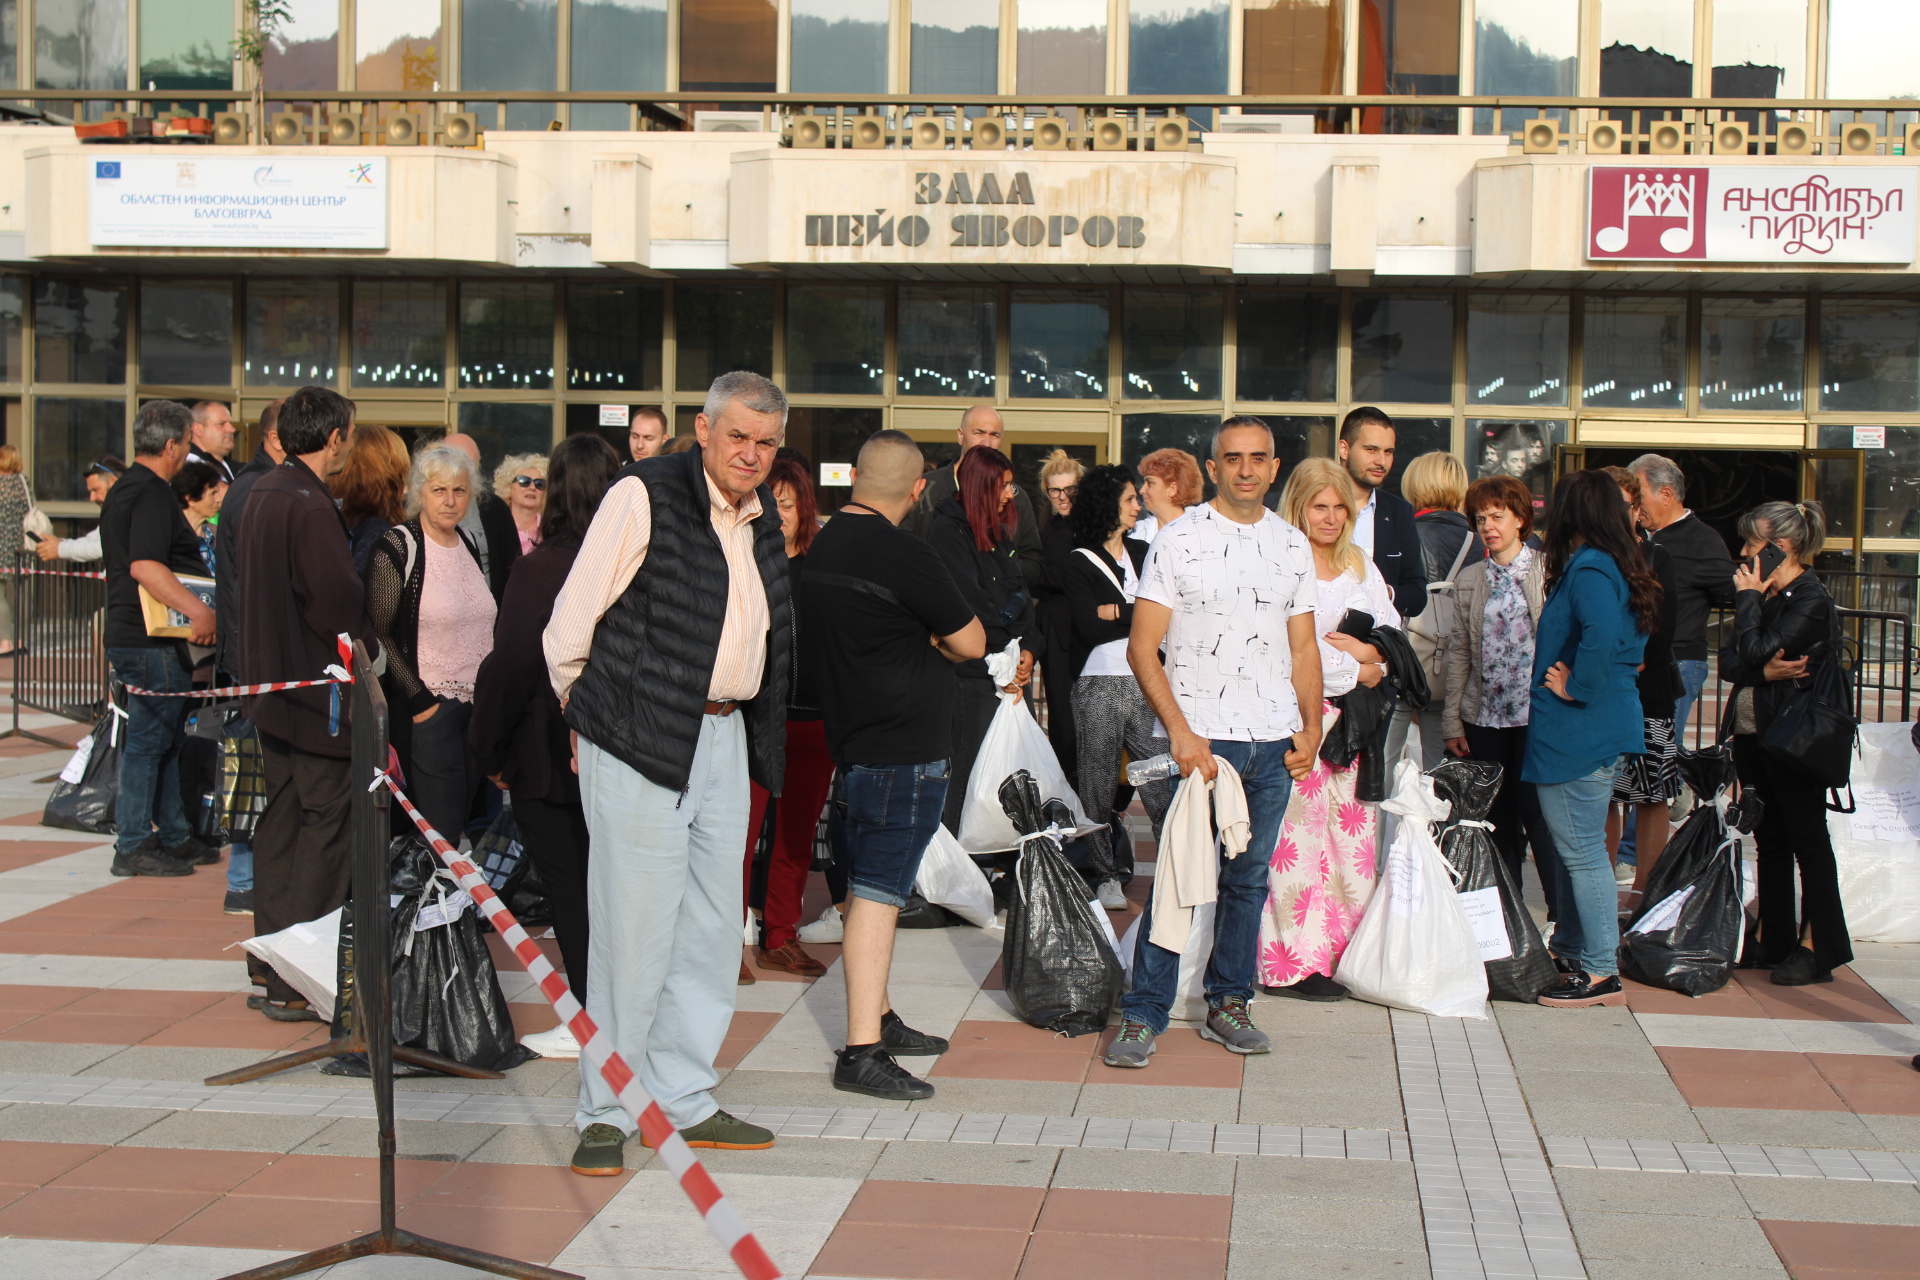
<point>892,812</point>
<point>1587,932</point>
<point>1243,894</point>
<point>1693,678</point>
<point>150,765</point>
<point>239,867</point>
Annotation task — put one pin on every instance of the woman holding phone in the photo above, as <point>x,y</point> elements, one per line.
<point>1783,619</point>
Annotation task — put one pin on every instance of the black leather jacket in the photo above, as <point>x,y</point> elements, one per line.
<point>1798,620</point>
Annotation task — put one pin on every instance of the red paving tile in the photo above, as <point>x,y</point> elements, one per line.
<point>913,1205</point>
<point>31,819</point>
<point>26,999</point>
<point>1060,1255</point>
<point>526,1235</point>
<point>165,1169</point>
<point>1137,1213</point>
<point>521,1186</point>
<point>257,1222</point>
<point>1872,1084</point>
<point>746,1031</point>
<point>25,853</point>
<point>1006,1064</point>
<point>1846,999</point>
<point>1752,1078</point>
<point>84,1213</point>
<point>144,1002</point>
<point>926,1253</point>
<point>1730,1001</point>
<point>35,1163</point>
<point>1844,1250</point>
<point>61,1027</point>
<point>340,1178</point>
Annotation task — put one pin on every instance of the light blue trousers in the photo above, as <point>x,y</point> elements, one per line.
<point>664,913</point>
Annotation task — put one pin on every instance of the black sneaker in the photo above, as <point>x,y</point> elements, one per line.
<point>1577,991</point>
<point>1800,969</point>
<point>1317,987</point>
<point>239,902</point>
<point>871,1070</point>
<point>902,1039</point>
<point>194,852</point>
<point>147,861</point>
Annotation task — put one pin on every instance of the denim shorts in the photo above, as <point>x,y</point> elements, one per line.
<point>892,813</point>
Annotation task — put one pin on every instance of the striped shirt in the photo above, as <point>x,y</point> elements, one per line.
<point>613,551</point>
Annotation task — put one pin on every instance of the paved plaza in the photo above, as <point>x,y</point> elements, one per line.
<point>1758,1132</point>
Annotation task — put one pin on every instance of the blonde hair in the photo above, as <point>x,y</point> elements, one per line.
<point>512,465</point>
<point>10,463</point>
<point>1308,481</point>
<point>1060,463</point>
<point>1435,481</point>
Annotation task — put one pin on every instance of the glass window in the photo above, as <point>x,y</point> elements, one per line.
<point>1517,349</point>
<point>9,41</point>
<point>1893,481</point>
<point>613,337</point>
<point>184,44</point>
<point>501,429</point>
<point>1145,433</point>
<point>1870,46</point>
<point>719,329</point>
<point>1177,46</point>
<point>1170,344</point>
<point>727,46</point>
<point>956,46</point>
<point>506,336</point>
<point>584,419</point>
<point>293,332</point>
<point>396,44</point>
<point>1288,344</point>
<point>1753,353</point>
<point>13,326</point>
<point>1524,47</point>
<point>1523,450</point>
<point>1059,344</point>
<point>1646,49</point>
<point>840,45</point>
<point>1759,48</point>
<point>1413,437</point>
<point>1869,356</point>
<point>1063,46</point>
<point>80,44</point>
<point>1635,349</point>
<point>305,50</point>
<point>512,44</point>
<point>1292,46</point>
<point>186,333</point>
<point>616,44</point>
<point>1403,348</point>
<point>830,435</point>
<point>399,333</point>
<point>68,434</point>
<point>946,342</point>
<point>79,331</point>
<point>1412,47</point>
<point>836,339</point>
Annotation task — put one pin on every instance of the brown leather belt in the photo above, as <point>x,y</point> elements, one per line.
<point>726,708</point>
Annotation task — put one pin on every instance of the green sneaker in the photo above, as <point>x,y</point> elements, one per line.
<point>725,1133</point>
<point>599,1154</point>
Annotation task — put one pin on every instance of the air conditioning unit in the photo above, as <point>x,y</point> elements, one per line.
<point>1263,124</point>
<point>729,122</point>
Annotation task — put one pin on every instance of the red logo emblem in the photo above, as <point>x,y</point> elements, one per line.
<point>1650,211</point>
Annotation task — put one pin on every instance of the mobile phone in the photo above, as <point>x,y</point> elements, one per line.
<point>31,535</point>
<point>1770,558</point>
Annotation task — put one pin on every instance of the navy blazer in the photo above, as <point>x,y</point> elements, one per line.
<point>1397,553</point>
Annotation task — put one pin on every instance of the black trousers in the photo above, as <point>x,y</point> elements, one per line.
<point>1793,830</point>
<point>555,836</point>
<point>973,708</point>
<point>1516,817</point>
<point>302,847</point>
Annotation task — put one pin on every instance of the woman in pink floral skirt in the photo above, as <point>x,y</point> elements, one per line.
<point>1321,872</point>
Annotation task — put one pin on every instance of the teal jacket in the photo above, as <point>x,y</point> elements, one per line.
<point>1586,624</point>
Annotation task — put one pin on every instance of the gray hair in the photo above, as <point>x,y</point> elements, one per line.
<point>157,423</point>
<point>431,464</point>
<point>757,393</point>
<point>1658,473</point>
<point>1801,525</point>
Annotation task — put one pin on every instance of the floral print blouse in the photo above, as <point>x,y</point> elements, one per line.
<point>1506,645</point>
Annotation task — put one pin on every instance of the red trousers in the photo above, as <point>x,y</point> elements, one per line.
<point>809,778</point>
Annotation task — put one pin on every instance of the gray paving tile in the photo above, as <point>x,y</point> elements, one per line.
<point>1107,1170</point>
<point>1327,1180</point>
<point>1612,1191</point>
<point>1158,1102</point>
<point>231,1131</point>
<point>1785,1128</point>
<point>1306,1262</point>
<point>37,1122</point>
<point>984,1163</point>
<point>1808,1200</point>
<point>1670,1238</point>
<point>1317,1223</point>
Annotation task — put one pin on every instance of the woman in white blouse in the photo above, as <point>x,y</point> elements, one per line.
<point>1321,873</point>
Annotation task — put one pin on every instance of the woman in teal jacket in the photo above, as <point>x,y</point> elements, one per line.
<point>1602,603</point>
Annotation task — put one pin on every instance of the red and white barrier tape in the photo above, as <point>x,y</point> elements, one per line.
<point>57,573</point>
<point>339,673</point>
<point>721,1217</point>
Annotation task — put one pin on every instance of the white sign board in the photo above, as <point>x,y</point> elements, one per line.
<point>1806,215</point>
<point>195,199</point>
<point>1869,437</point>
<point>614,415</point>
<point>836,475</point>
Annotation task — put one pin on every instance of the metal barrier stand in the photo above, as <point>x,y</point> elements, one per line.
<point>58,664</point>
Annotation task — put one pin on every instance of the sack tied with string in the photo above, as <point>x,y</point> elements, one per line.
<point>1057,958</point>
<point>1517,962</point>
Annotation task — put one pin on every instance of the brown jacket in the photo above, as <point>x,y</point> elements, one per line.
<point>298,591</point>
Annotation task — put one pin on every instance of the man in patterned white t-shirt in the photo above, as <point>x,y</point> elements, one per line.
<point>1230,590</point>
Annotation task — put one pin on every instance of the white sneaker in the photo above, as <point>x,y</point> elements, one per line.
<point>1112,897</point>
<point>557,1043</point>
<point>1623,873</point>
<point>828,928</point>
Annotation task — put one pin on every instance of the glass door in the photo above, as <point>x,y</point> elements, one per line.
<point>1836,478</point>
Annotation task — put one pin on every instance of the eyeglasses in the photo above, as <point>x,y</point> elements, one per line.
<point>103,469</point>
<point>530,482</point>
<point>1068,492</point>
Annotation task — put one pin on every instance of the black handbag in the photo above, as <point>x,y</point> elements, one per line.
<point>1814,731</point>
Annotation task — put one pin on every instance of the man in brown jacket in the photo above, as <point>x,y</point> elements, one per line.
<point>298,592</point>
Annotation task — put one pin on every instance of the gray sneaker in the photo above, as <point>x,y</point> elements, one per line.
<point>1229,1025</point>
<point>1132,1047</point>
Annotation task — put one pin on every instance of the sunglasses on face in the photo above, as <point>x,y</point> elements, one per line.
<point>530,482</point>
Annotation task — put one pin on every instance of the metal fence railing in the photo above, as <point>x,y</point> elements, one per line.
<point>60,662</point>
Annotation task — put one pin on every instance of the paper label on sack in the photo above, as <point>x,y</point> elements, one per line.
<point>1886,813</point>
<point>434,914</point>
<point>1406,889</point>
<point>1664,915</point>
<point>76,769</point>
<point>1489,922</point>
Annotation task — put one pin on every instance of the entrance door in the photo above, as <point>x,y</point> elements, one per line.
<point>1836,478</point>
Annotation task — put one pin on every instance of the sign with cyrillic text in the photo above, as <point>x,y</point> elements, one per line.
<point>194,199</point>
<point>1751,213</point>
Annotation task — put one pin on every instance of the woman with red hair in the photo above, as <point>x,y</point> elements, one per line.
<point>809,771</point>
<point>973,531</point>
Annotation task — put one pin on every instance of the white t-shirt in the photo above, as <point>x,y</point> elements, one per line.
<point>1232,588</point>
<point>1339,672</point>
<point>1110,659</point>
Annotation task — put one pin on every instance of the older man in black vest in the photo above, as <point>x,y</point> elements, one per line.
<point>668,649</point>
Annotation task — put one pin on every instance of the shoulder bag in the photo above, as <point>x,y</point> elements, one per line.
<point>1814,731</point>
<point>36,523</point>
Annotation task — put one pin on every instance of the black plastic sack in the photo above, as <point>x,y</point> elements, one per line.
<point>502,858</point>
<point>1686,934</point>
<point>1471,786</point>
<point>243,778</point>
<point>200,776</point>
<point>1060,971</point>
<point>87,805</point>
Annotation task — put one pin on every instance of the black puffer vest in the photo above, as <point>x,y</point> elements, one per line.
<point>644,690</point>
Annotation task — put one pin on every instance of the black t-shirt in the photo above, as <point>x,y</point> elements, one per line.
<point>872,596</point>
<point>141,520</point>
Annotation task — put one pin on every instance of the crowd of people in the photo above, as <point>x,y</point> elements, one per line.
<point>668,665</point>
